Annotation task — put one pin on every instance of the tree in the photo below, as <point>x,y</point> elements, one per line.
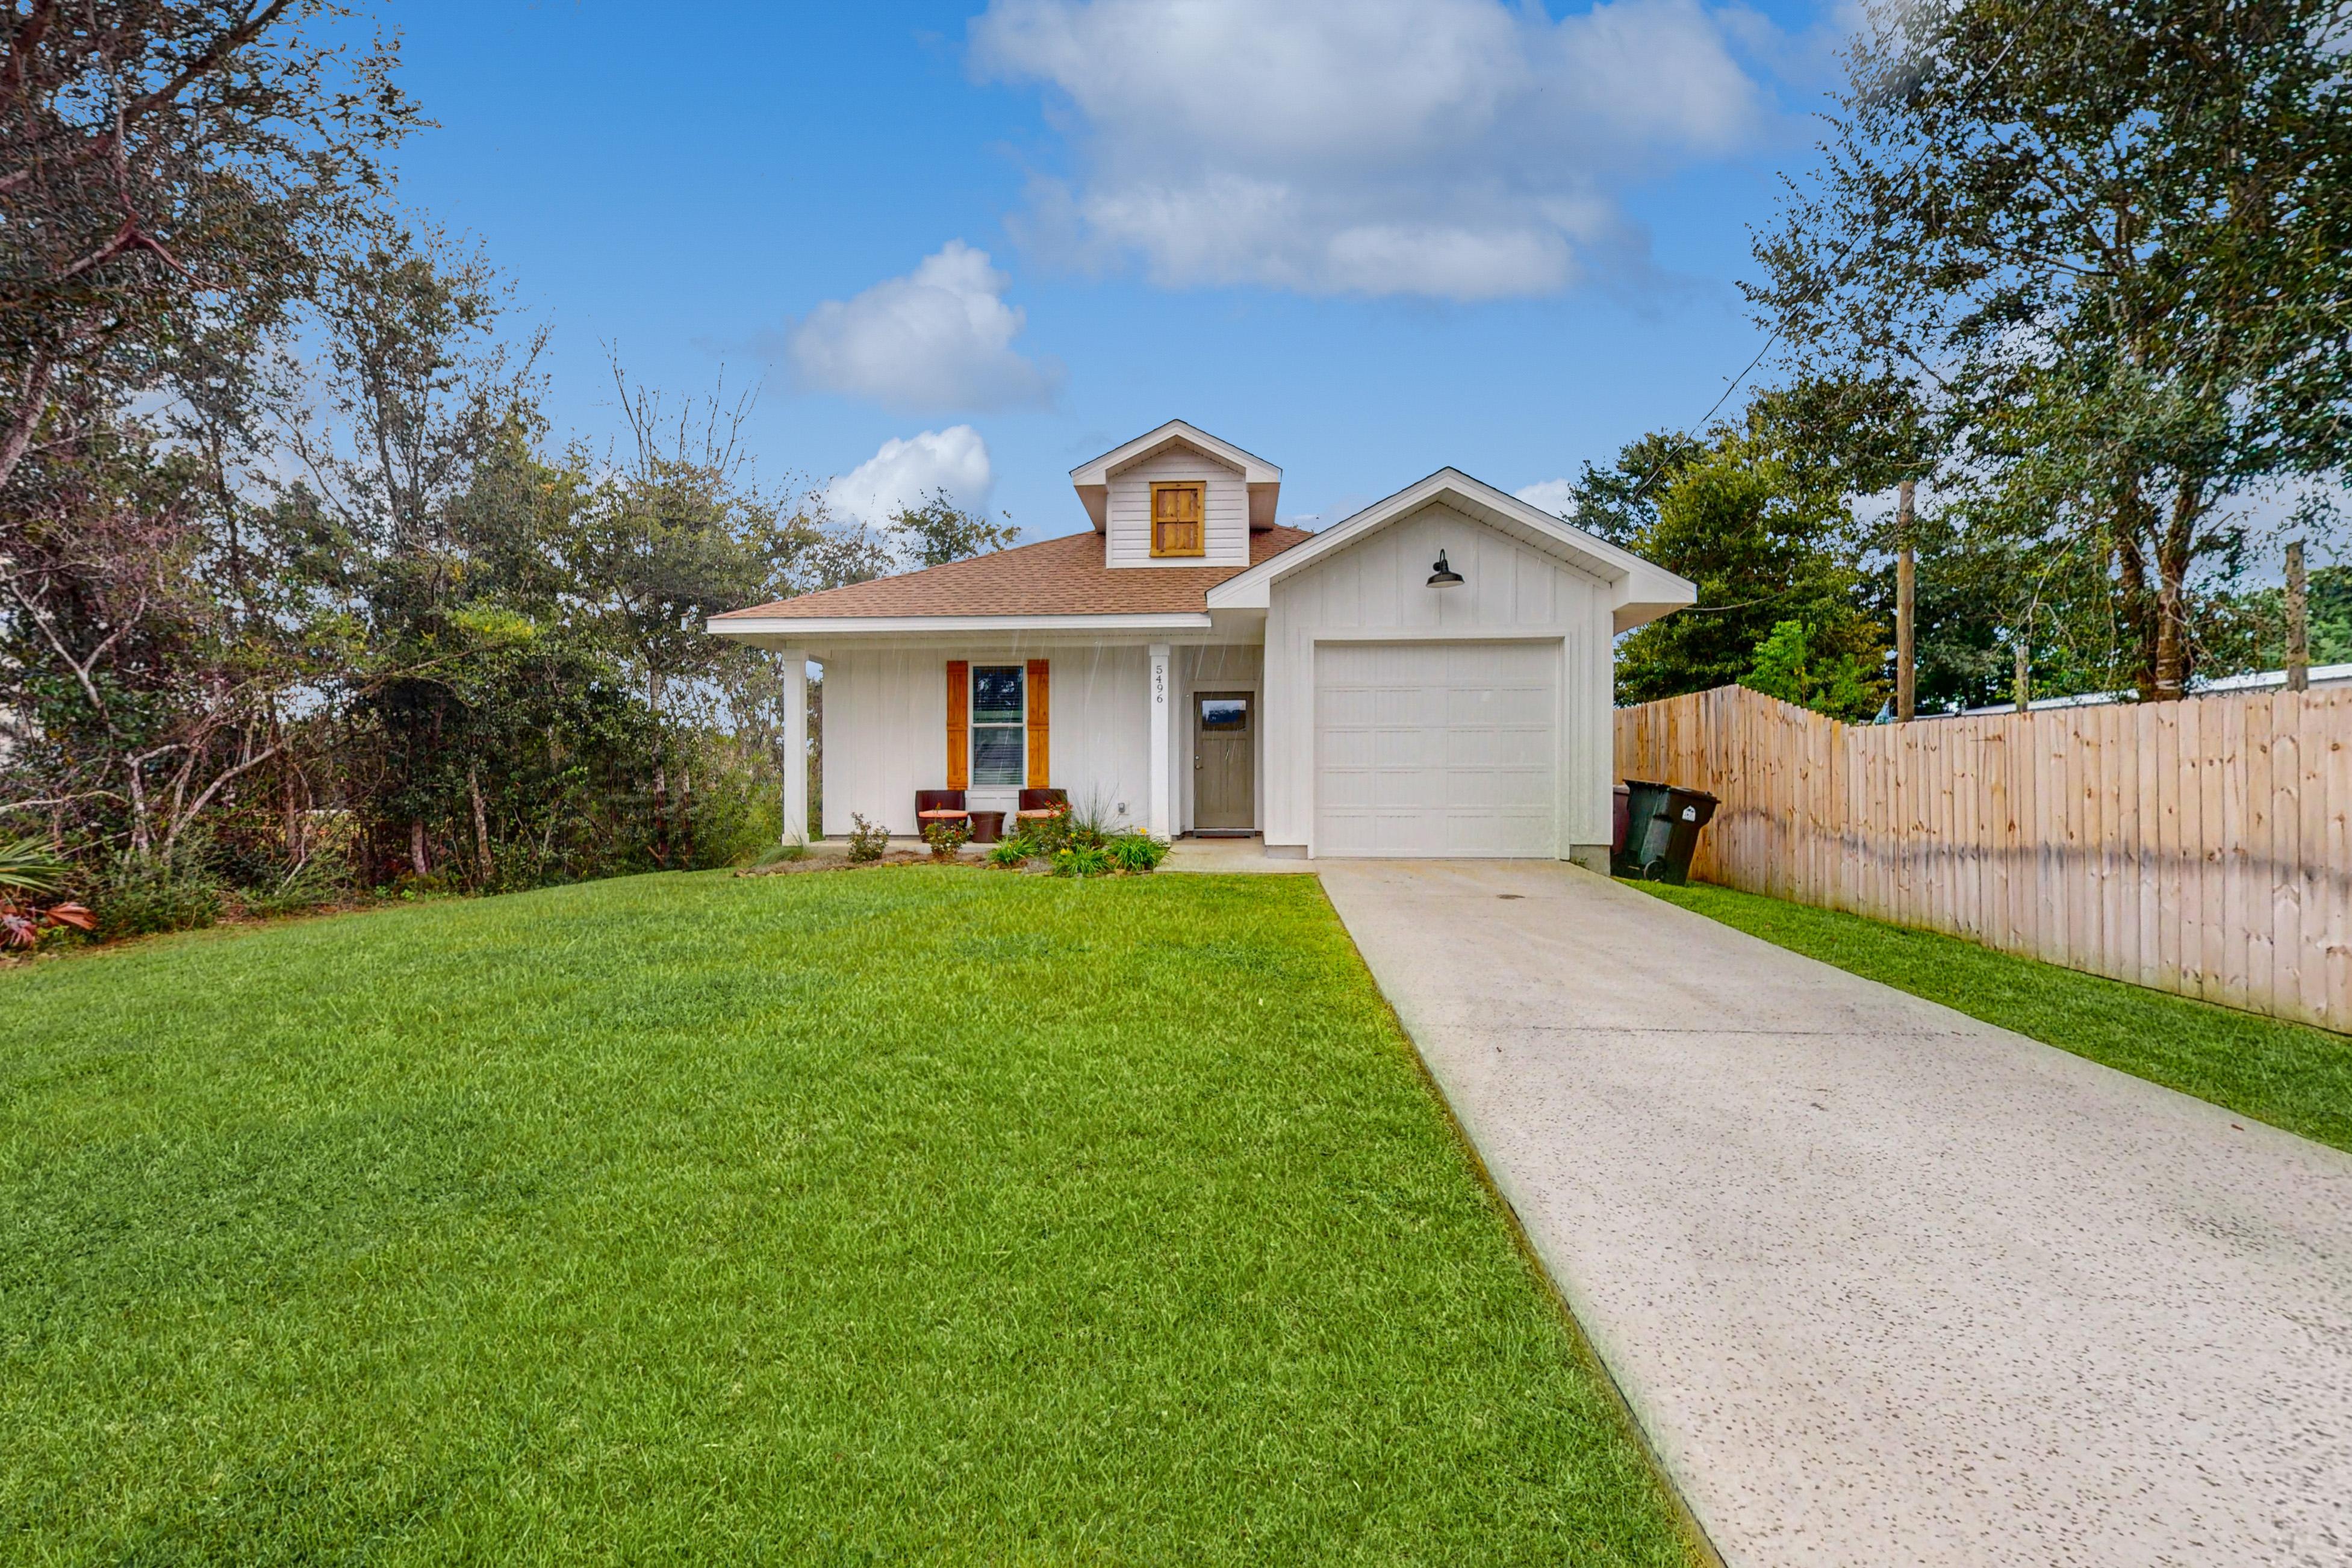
<point>131,702</point>
<point>1787,667</point>
<point>2329,620</point>
<point>2106,245</point>
<point>1617,504</point>
<point>1763,548</point>
<point>677,535</point>
<point>938,531</point>
<point>172,171</point>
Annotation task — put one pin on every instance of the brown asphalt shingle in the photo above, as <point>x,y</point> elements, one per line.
<point>1058,577</point>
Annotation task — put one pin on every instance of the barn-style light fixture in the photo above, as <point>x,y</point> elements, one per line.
<point>1445,576</point>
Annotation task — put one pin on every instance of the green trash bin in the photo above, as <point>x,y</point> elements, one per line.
<point>1662,827</point>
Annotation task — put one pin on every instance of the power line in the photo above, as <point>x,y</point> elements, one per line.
<point>1910,167</point>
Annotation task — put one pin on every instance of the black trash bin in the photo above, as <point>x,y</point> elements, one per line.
<point>1662,823</point>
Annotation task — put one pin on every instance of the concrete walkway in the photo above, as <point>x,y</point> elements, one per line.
<point>1225,855</point>
<point>1882,1284</point>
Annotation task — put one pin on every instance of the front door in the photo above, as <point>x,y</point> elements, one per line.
<point>1224,762</point>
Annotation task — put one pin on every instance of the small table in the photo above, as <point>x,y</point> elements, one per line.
<point>987,827</point>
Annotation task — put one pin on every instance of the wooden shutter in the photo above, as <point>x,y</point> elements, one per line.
<point>958,724</point>
<point>1039,686</point>
<point>1176,511</point>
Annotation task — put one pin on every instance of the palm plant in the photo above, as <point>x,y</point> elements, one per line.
<point>29,871</point>
<point>29,865</point>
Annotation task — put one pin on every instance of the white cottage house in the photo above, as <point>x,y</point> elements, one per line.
<point>1429,676</point>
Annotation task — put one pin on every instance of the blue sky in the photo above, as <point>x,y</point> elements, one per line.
<point>1364,240</point>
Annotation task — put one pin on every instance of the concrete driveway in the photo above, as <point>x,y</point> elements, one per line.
<point>1882,1284</point>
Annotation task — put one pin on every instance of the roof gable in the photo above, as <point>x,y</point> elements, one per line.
<point>1092,479</point>
<point>1640,592</point>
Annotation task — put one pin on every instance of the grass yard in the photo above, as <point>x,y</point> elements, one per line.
<point>905,1214</point>
<point>2289,1075</point>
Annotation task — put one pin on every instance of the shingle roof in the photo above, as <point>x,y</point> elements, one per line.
<point>1058,577</point>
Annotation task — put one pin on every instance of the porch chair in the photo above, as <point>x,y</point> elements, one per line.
<point>938,806</point>
<point>1036,804</point>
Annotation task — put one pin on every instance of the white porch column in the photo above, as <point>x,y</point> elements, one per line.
<point>1161,821</point>
<point>794,762</point>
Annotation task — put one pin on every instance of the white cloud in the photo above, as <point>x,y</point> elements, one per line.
<point>903,472</point>
<point>1557,497</point>
<point>939,338</point>
<point>1457,149</point>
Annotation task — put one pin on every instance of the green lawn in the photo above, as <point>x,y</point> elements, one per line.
<point>907,1214</point>
<point>2288,1075</point>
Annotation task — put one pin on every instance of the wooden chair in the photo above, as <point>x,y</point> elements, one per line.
<point>1042,802</point>
<point>938,806</point>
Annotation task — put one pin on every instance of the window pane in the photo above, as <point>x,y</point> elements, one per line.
<point>996,694</point>
<point>996,755</point>
<point>1224,714</point>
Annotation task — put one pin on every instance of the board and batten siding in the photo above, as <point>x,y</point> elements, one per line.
<point>886,715</point>
<point>1127,515</point>
<point>1378,588</point>
<point>1214,666</point>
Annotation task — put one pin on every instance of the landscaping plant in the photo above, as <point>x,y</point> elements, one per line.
<point>29,871</point>
<point>1136,852</point>
<point>1082,860</point>
<point>946,839</point>
<point>139,897</point>
<point>867,842</point>
<point>312,884</point>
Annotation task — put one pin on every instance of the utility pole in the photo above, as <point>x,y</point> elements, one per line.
<point>2024,678</point>
<point>2298,622</point>
<point>1907,597</point>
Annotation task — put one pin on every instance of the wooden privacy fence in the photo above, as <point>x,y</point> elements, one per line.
<point>2197,846</point>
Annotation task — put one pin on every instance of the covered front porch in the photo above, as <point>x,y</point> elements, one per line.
<point>1159,736</point>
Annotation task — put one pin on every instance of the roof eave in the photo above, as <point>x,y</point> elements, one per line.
<point>1254,469</point>
<point>764,627</point>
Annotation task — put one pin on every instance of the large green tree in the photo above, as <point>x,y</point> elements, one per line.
<point>1765,547</point>
<point>2106,244</point>
<point>172,175</point>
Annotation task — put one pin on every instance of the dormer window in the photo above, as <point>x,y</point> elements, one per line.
<point>1176,513</point>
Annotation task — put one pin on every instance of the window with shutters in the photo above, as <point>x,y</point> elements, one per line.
<point>1177,510</point>
<point>999,757</point>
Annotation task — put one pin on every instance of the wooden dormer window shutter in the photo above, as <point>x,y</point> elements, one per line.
<point>958,723</point>
<point>1176,517</point>
<point>1039,673</point>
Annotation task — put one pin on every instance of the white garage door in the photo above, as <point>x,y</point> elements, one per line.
<point>1425,749</point>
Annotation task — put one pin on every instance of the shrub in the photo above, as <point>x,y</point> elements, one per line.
<point>1136,852</point>
<point>140,897</point>
<point>1089,824</point>
<point>313,884</point>
<point>1085,824</point>
<point>1045,835</point>
<point>1082,860</point>
<point>867,842</point>
<point>945,837</point>
<point>1012,853</point>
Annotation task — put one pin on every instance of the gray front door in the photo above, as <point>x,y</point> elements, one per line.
<point>1224,760</point>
